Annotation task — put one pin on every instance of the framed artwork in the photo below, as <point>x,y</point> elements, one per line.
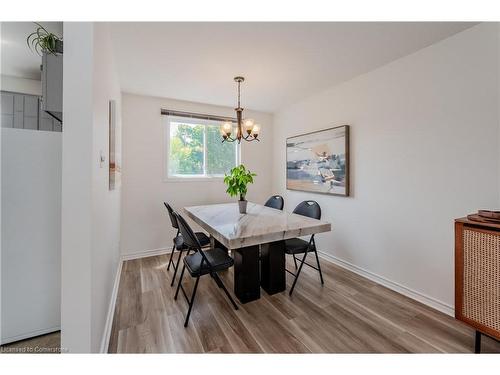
<point>318,162</point>
<point>114,149</point>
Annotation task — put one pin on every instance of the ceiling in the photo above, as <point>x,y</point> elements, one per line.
<point>282,62</point>
<point>17,59</point>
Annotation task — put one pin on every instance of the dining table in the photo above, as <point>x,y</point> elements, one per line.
<point>256,241</point>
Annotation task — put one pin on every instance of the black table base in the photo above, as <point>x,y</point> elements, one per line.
<point>246,273</point>
<point>272,267</point>
<point>257,266</point>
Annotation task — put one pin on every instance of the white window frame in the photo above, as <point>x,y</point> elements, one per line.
<point>167,177</point>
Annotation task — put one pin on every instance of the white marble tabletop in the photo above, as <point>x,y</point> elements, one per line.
<point>259,225</point>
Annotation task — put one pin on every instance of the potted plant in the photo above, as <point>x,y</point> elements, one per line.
<point>237,182</point>
<point>42,41</point>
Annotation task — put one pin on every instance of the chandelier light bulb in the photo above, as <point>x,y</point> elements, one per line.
<point>249,124</point>
<point>227,128</point>
<point>255,130</point>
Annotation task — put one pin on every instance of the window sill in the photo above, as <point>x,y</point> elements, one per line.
<point>193,179</point>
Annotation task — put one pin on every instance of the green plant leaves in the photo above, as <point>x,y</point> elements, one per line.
<point>238,180</point>
<point>41,40</point>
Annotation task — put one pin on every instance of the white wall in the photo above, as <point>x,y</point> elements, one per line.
<point>145,223</point>
<point>105,203</point>
<point>21,85</point>
<point>91,213</point>
<point>77,159</point>
<point>424,150</point>
<point>31,227</point>
<point>498,98</point>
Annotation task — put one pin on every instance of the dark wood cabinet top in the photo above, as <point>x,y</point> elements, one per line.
<point>465,220</point>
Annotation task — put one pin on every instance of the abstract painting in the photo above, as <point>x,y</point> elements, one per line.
<point>319,161</point>
<point>114,148</point>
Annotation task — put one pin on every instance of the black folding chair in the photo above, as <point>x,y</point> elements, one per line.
<point>276,201</point>
<point>202,262</point>
<point>295,246</point>
<point>179,244</point>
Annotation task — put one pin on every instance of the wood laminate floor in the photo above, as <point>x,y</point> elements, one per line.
<point>349,314</point>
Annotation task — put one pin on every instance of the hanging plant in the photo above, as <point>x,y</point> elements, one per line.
<point>41,41</point>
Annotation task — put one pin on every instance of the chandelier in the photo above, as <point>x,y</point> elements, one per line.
<point>251,129</point>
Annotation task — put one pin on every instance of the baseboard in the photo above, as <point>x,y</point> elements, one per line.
<point>413,294</point>
<point>111,310</point>
<point>28,335</point>
<point>146,253</point>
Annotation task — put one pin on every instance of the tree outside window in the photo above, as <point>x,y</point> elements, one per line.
<point>195,149</point>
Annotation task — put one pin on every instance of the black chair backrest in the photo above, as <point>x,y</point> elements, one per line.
<point>190,239</point>
<point>171,213</point>
<point>276,201</point>
<point>309,209</point>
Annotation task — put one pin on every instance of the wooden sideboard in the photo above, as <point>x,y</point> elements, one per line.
<point>477,277</point>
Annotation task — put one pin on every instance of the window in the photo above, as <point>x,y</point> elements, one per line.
<point>194,148</point>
